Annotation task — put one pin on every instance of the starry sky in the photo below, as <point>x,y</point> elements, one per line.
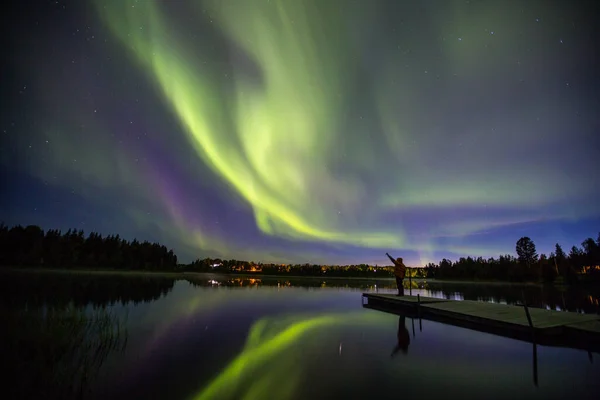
<point>325,131</point>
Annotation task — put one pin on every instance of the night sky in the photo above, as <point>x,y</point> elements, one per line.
<point>304,131</point>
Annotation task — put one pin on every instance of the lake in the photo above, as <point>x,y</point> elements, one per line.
<point>124,336</point>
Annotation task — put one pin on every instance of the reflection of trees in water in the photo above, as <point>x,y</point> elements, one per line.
<point>20,288</point>
<point>55,353</point>
<point>249,281</point>
<point>51,341</point>
<point>57,289</point>
<point>572,298</point>
<point>575,299</point>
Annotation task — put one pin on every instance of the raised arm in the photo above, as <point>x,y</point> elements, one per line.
<point>390,257</point>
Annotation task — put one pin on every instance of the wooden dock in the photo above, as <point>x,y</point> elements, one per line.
<point>534,325</point>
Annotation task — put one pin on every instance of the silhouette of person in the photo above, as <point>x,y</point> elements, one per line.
<point>399,272</point>
<point>403,337</point>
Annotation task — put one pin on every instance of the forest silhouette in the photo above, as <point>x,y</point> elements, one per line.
<point>31,246</point>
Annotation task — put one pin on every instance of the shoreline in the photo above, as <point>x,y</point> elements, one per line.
<point>191,274</point>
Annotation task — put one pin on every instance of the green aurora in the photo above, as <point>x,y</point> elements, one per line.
<point>311,131</point>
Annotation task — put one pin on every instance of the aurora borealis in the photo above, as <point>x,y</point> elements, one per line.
<point>305,131</point>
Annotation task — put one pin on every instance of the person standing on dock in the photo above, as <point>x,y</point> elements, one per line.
<point>399,272</point>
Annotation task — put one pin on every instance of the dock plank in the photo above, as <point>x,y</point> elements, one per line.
<point>556,328</point>
<point>406,299</point>
<point>540,318</point>
<point>491,314</point>
<point>592,326</point>
<point>500,312</point>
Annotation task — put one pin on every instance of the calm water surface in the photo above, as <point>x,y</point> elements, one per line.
<point>211,337</point>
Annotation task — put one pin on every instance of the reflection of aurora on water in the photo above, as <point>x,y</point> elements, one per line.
<point>297,343</point>
<point>264,367</point>
<point>184,308</point>
<point>225,292</point>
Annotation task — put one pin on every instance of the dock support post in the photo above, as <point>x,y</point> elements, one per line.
<point>529,320</point>
<point>419,312</point>
<point>409,283</point>
<point>413,326</point>
<point>535,366</point>
<point>528,316</point>
<point>590,357</point>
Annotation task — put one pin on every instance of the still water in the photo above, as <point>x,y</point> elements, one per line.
<point>216,337</point>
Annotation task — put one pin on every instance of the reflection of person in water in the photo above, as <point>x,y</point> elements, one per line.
<point>403,337</point>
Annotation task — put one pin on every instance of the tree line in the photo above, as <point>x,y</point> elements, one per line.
<point>217,265</point>
<point>30,246</point>
<point>581,264</point>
